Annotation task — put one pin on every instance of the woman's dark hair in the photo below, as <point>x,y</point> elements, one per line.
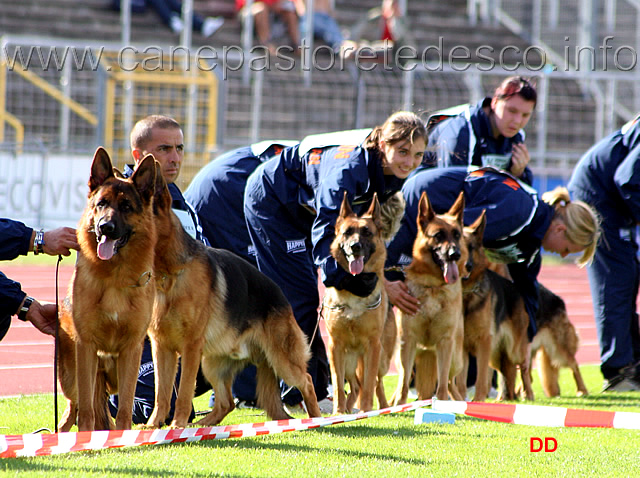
<point>516,85</point>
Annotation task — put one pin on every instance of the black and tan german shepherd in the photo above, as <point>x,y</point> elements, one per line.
<point>112,292</point>
<point>356,325</point>
<point>495,325</point>
<point>555,344</point>
<point>217,309</point>
<point>436,330</point>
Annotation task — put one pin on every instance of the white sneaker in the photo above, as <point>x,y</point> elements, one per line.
<point>211,25</point>
<point>176,25</point>
<point>295,409</point>
<point>326,405</point>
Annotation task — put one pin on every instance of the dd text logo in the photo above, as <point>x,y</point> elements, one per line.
<point>548,444</point>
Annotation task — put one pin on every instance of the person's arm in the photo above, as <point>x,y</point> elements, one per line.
<point>451,140</point>
<point>627,180</point>
<point>15,239</point>
<point>348,175</point>
<point>399,253</point>
<point>11,296</point>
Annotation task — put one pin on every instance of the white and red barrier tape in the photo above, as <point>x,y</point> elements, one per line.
<point>539,415</point>
<point>55,443</point>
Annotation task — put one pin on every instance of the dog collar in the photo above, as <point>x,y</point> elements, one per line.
<point>143,280</point>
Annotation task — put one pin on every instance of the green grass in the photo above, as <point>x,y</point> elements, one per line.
<point>386,446</point>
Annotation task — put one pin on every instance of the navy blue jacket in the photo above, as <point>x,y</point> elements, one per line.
<point>179,204</point>
<point>217,192</point>
<point>311,178</point>
<point>467,139</point>
<point>608,177</point>
<point>516,221</point>
<point>15,239</point>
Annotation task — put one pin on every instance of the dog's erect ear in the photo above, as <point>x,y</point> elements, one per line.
<point>375,212</point>
<point>425,211</point>
<point>457,210</point>
<point>477,227</point>
<point>345,207</point>
<point>144,178</point>
<point>161,197</point>
<point>101,169</point>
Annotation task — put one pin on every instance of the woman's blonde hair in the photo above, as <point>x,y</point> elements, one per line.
<point>400,126</point>
<point>582,221</point>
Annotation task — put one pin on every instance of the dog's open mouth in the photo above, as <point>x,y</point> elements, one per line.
<point>107,247</point>
<point>356,264</point>
<point>450,272</point>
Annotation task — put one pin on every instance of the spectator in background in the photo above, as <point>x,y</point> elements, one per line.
<point>381,28</point>
<point>170,12</point>
<point>17,239</point>
<point>286,10</point>
<point>608,178</point>
<point>325,26</point>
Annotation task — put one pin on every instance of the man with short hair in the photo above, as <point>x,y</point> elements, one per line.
<point>162,136</point>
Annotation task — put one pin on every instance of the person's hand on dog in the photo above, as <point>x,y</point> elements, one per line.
<point>362,284</point>
<point>60,241</point>
<point>400,296</point>
<point>43,317</point>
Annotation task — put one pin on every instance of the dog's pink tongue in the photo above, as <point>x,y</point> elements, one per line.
<point>451,273</point>
<point>356,266</point>
<point>106,248</point>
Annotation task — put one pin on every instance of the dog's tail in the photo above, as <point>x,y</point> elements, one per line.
<point>548,373</point>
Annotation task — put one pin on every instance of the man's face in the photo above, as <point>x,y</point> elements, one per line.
<point>167,147</point>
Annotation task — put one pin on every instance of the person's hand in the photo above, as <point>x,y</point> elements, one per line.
<point>60,241</point>
<point>400,296</point>
<point>43,317</point>
<point>519,159</point>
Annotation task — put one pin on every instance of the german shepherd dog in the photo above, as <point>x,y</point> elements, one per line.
<point>214,307</point>
<point>479,307</point>
<point>112,293</point>
<point>356,324</point>
<point>555,344</point>
<point>495,325</point>
<point>439,253</point>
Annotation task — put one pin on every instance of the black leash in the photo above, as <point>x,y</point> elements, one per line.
<point>55,354</point>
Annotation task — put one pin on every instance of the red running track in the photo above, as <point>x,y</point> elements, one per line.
<point>26,355</point>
